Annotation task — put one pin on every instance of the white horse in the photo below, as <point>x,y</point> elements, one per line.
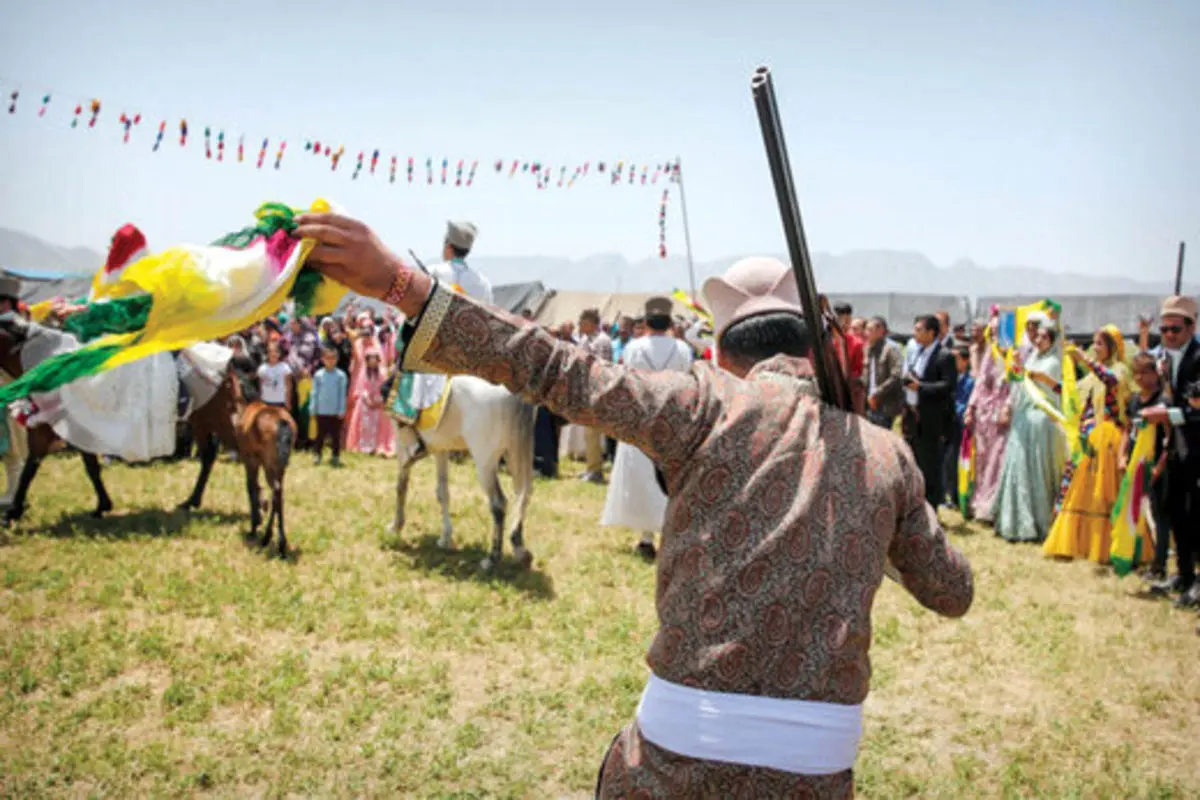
<point>492,423</point>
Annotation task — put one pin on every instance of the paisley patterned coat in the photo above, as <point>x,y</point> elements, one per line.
<point>781,516</point>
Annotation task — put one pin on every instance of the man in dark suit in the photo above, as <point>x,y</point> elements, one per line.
<point>884,369</point>
<point>1179,365</point>
<point>929,393</point>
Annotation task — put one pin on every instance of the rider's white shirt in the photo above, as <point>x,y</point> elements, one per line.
<point>459,273</point>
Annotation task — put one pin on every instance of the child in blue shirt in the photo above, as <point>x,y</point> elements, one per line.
<point>328,403</point>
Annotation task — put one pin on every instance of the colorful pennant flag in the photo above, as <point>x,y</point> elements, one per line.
<point>966,472</point>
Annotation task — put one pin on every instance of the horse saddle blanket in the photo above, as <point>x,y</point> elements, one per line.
<point>132,411</point>
<point>420,399</point>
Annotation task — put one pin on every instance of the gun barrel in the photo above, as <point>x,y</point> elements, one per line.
<point>763,89</point>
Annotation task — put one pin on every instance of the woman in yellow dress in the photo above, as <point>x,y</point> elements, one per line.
<point>1083,517</point>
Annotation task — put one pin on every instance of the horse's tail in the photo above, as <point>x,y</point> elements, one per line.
<point>284,438</point>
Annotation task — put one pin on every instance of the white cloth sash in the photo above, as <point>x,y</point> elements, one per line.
<point>802,737</point>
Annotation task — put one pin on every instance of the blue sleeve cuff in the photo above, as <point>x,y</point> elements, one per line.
<point>1175,415</point>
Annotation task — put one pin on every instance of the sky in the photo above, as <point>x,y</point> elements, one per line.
<point>1059,134</point>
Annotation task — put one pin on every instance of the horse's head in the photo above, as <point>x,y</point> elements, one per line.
<point>14,332</point>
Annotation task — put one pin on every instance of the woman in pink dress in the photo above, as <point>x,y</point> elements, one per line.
<point>991,434</point>
<point>368,427</point>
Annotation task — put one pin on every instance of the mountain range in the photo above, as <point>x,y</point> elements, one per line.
<point>853,272</point>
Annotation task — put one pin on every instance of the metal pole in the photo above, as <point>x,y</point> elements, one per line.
<point>1178,269</point>
<point>687,234</point>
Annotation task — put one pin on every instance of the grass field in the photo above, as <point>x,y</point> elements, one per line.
<point>154,654</point>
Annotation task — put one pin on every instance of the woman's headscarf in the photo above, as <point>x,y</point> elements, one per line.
<point>1093,388</point>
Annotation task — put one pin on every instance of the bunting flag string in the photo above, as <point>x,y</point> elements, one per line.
<point>662,224</point>
<point>564,175</point>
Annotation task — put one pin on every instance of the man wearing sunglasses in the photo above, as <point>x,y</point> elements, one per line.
<point>1179,365</point>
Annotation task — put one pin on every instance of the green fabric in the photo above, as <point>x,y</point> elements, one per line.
<point>402,406</point>
<point>272,218</point>
<point>5,433</point>
<point>125,315</point>
<point>58,371</point>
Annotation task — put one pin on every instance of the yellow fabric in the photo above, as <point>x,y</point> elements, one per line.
<point>1083,527</point>
<point>187,303</point>
<point>303,391</point>
<point>1072,406</point>
<point>39,311</point>
<point>1038,397</point>
<point>431,417</point>
<point>1124,538</point>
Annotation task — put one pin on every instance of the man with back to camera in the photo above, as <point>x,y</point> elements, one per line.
<point>781,515</point>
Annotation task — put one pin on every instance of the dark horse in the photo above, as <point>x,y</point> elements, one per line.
<point>212,425</point>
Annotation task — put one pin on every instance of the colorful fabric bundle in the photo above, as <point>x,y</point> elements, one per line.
<point>966,471</point>
<point>171,300</point>
<point>1129,520</point>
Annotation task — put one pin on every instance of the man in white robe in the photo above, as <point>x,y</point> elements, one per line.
<point>635,499</point>
<point>416,391</point>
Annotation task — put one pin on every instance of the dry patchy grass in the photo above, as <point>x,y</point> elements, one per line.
<point>153,654</point>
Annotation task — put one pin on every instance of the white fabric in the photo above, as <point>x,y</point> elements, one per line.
<point>918,369</point>
<point>427,388</point>
<point>129,412</point>
<point>470,280</point>
<point>202,367</point>
<point>572,443</point>
<point>872,363</point>
<point>273,379</point>
<point>802,737</point>
<point>634,499</point>
<point>1176,358</point>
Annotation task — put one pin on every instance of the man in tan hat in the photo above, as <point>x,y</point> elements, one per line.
<point>1179,364</point>
<point>416,392</point>
<point>781,518</point>
<point>634,498</point>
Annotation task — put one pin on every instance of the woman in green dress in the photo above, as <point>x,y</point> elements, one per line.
<point>1036,451</point>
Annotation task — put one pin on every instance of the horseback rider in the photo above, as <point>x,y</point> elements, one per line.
<point>417,391</point>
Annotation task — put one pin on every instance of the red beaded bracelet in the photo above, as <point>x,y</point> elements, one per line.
<point>399,287</point>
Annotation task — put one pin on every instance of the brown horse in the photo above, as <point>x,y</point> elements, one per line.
<point>212,425</point>
<point>265,436</point>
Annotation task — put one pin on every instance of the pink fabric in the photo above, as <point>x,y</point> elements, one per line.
<point>368,429</point>
<point>279,249</point>
<point>991,438</point>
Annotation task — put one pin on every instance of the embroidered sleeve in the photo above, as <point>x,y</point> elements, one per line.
<point>664,414</point>
<point>936,574</point>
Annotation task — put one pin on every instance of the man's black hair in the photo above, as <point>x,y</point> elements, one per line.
<point>843,310</point>
<point>759,338</point>
<point>930,323</point>
<point>881,322</point>
<point>659,322</point>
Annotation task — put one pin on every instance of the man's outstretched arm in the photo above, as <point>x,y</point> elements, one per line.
<point>666,415</point>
